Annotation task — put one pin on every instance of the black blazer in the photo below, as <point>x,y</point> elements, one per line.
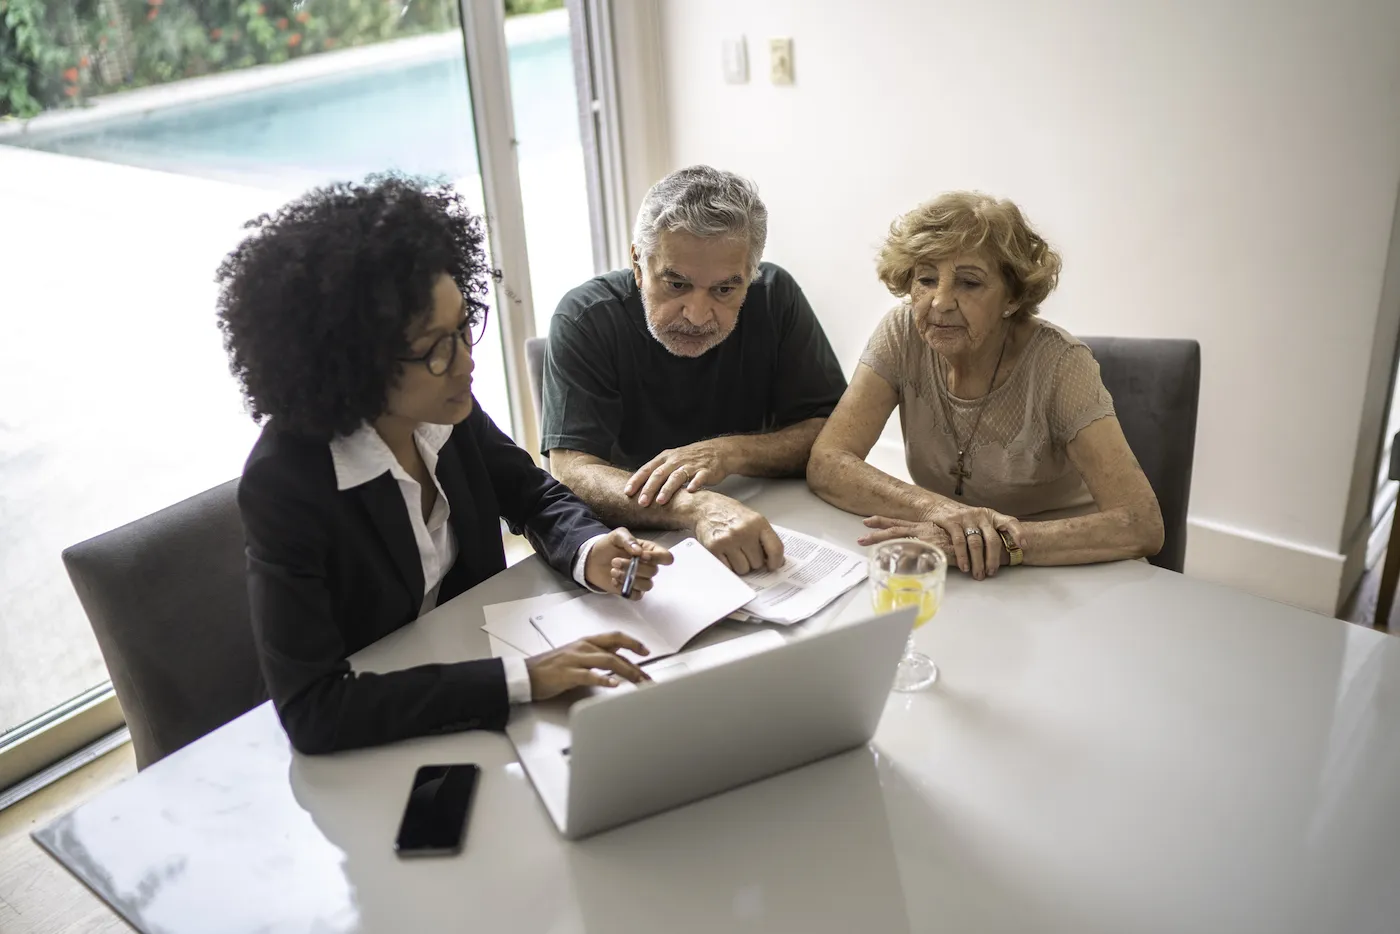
<point>331,571</point>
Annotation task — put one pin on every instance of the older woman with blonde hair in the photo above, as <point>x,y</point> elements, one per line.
<point>1009,434</point>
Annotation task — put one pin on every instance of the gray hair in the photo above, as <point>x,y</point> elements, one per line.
<point>703,202</point>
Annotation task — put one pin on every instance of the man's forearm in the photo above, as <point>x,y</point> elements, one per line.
<point>781,453</point>
<point>600,486</point>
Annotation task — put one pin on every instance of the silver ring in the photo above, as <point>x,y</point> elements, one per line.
<point>968,533</point>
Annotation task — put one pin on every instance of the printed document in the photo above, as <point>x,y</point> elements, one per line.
<point>813,574</point>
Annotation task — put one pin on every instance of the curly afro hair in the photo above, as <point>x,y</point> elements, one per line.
<point>315,303</point>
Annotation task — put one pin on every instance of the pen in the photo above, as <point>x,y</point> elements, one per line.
<point>631,577</point>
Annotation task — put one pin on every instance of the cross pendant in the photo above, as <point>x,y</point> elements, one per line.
<point>961,474</point>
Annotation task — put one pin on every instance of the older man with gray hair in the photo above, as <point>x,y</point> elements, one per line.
<point>696,363</point>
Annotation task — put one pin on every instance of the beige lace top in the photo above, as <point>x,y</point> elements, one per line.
<point>1016,460</point>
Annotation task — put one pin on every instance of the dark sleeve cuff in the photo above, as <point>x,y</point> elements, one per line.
<point>819,410</point>
<point>591,446</point>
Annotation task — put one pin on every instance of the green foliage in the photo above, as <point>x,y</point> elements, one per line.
<point>517,7</point>
<point>56,53</point>
<point>37,67</point>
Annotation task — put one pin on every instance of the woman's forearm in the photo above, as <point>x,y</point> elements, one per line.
<point>1113,535</point>
<point>1129,521</point>
<point>849,483</point>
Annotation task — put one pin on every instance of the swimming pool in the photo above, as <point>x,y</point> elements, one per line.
<point>414,116</point>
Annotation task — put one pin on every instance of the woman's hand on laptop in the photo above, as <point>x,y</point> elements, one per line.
<point>587,662</point>
<point>606,568</point>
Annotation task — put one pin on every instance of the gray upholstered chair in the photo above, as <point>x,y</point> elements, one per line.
<point>1156,386</point>
<point>534,361</point>
<point>167,597</point>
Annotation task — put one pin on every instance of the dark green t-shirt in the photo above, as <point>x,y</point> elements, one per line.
<point>613,391</point>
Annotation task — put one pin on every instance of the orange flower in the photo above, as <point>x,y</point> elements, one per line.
<point>84,62</point>
<point>151,16</point>
<point>330,43</point>
<point>70,74</point>
<point>261,9</point>
<point>282,23</point>
<point>155,2</point>
<point>216,34</point>
<point>303,16</point>
<point>71,91</point>
<point>294,40</point>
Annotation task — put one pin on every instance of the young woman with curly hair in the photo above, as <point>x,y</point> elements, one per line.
<point>377,487</point>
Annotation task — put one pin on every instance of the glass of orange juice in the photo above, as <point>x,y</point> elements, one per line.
<point>907,572</point>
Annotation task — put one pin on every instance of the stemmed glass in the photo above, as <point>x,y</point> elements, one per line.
<point>907,572</point>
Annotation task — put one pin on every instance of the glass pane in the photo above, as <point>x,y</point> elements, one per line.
<point>553,183</point>
<point>159,127</point>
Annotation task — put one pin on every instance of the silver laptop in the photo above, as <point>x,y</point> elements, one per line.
<point>716,718</point>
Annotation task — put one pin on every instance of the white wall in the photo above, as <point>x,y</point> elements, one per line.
<point>1214,169</point>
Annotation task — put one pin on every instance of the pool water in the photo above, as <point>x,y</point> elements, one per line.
<point>414,117</point>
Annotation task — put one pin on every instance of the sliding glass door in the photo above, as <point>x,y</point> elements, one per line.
<point>136,136</point>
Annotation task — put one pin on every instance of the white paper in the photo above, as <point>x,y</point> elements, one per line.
<point>510,622</point>
<point>813,574</point>
<point>502,649</point>
<point>686,597</point>
<point>698,659</point>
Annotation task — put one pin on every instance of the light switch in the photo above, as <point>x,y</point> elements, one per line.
<point>736,61</point>
<point>780,61</point>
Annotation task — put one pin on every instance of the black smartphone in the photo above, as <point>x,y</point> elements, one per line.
<point>435,818</point>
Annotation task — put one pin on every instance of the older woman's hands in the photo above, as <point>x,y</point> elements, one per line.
<point>969,532</point>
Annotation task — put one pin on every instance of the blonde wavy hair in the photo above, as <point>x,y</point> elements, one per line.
<point>962,222</point>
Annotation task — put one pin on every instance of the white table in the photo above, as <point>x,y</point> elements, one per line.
<point>1110,749</point>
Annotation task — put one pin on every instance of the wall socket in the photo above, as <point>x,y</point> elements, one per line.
<point>780,61</point>
<point>736,61</point>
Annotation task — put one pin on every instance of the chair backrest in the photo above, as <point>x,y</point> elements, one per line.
<point>534,361</point>
<point>1156,387</point>
<point>167,597</point>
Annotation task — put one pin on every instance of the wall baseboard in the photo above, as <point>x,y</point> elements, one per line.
<point>1289,572</point>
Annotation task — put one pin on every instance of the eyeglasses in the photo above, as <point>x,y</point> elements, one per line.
<point>443,353</point>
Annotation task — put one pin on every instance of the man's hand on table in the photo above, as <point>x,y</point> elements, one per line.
<point>737,535</point>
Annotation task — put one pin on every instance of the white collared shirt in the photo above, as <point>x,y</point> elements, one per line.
<point>362,456</point>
